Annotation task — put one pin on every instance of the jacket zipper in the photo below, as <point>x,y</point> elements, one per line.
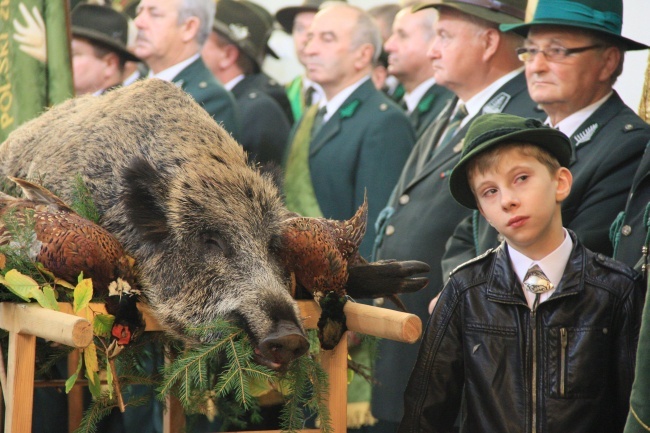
<point>564,341</point>
<point>533,387</point>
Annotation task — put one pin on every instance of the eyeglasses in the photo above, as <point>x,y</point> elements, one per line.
<point>552,54</point>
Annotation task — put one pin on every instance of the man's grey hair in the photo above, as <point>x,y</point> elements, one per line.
<point>429,16</point>
<point>204,10</point>
<point>365,32</point>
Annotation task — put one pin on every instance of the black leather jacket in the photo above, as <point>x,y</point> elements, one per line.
<point>566,367</point>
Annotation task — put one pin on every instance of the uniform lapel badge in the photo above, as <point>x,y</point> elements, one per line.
<point>496,104</point>
<point>349,109</point>
<point>585,135</point>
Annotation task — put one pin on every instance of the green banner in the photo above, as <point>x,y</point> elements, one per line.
<point>35,70</point>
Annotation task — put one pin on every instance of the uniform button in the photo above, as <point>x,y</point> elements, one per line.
<point>628,127</point>
<point>379,302</point>
<point>252,95</point>
<point>404,199</point>
<point>626,230</point>
<point>390,230</point>
<point>203,84</point>
<point>500,237</point>
<point>383,107</point>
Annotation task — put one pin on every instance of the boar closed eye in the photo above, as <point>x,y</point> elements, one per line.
<point>216,244</point>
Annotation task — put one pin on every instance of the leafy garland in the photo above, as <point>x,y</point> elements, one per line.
<point>220,376</point>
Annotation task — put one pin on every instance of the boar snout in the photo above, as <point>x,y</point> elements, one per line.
<point>283,345</point>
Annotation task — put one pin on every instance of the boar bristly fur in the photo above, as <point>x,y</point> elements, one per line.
<point>178,193</point>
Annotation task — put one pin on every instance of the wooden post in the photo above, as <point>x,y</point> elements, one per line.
<point>335,363</point>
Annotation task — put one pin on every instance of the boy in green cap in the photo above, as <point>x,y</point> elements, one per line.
<point>538,334</point>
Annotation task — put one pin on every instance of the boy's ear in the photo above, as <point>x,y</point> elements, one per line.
<point>564,180</point>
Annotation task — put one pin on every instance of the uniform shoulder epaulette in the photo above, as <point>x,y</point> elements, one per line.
<point>472,261</point>
<point>615,265</point>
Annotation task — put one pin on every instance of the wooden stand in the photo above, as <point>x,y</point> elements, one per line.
<point>25,322</point>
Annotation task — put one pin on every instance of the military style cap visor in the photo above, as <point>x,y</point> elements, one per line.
<point>490,130</point>
<point>102,25</point>
<point>285,16</point>
<point>606,19</point>
<point>500,12</point>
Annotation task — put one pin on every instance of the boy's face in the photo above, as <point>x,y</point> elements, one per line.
<point>521,199</point>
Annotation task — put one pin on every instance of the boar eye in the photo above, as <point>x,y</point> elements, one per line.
<point>215,243</point>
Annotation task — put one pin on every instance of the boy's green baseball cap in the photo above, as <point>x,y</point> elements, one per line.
<point>490,130</point>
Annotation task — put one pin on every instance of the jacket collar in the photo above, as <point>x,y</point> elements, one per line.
<point>347,110</point>
<point>497,103</point>
<point>504,286</point>
<point>592,125</point>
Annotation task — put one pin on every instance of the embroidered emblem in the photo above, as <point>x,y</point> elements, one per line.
<point>349,109</point>
<point>238,32</point>
<point>586,134</point>
<point>425,104</point>
<point>496,104</point>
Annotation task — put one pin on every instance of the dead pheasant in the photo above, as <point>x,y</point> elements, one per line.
<point>67,244</point>
<point>323,255</point>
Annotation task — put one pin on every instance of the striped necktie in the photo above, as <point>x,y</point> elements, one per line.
<point>452,126</point>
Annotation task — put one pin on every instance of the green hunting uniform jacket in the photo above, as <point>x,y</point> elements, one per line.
<point>267,127</point>
<point>429,107</point>
<point>420,217</point>
<point>360,150</point>
<point>197,80</point>
<point>607,149</point>
<point>631,234</point>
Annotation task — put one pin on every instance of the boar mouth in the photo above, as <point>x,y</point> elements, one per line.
<point>286,343</point>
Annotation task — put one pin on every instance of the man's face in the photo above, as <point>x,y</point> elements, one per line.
<point>88,70</point>
<point>299,33</point>
<point>330,59</point>
<point>456,51</point>
<point>408,44</point>
<point>159,34</point>
<point>213,54</point>
<point>565,86</point>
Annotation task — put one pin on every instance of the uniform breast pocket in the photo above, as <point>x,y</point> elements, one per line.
<point>577,361</point>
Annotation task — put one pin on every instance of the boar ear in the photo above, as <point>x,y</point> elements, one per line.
<point>144,200</point>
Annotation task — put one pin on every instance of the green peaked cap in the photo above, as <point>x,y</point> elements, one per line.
<point>500,12</point>
<point>602,16</point>
<point>490,130</point>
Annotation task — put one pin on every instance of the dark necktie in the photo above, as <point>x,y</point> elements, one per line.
<point>318,120</point>
<point>537,282</point>
<point>309,96</point>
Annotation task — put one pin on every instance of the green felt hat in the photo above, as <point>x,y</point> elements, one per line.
<point>500,12</point>
<point>104,26</point>
<point>490,130</point>
<point>246,25</point>
<point>602,16</point>
<point>285,16</point>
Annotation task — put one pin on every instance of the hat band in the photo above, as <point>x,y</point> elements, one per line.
<point>574,11</point>
<point>496,6</point>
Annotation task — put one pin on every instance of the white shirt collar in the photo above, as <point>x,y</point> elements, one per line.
<point>413,98</point>
<point>570,124</point>
<point>476,102</point>
<point>336,102</point>
<point>170,73</point>
<point>232,83</point>
<point>131,78</point>
<point>552,265</point>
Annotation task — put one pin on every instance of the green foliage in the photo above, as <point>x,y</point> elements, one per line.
<point>82,201</point>
<point>224,371</point>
